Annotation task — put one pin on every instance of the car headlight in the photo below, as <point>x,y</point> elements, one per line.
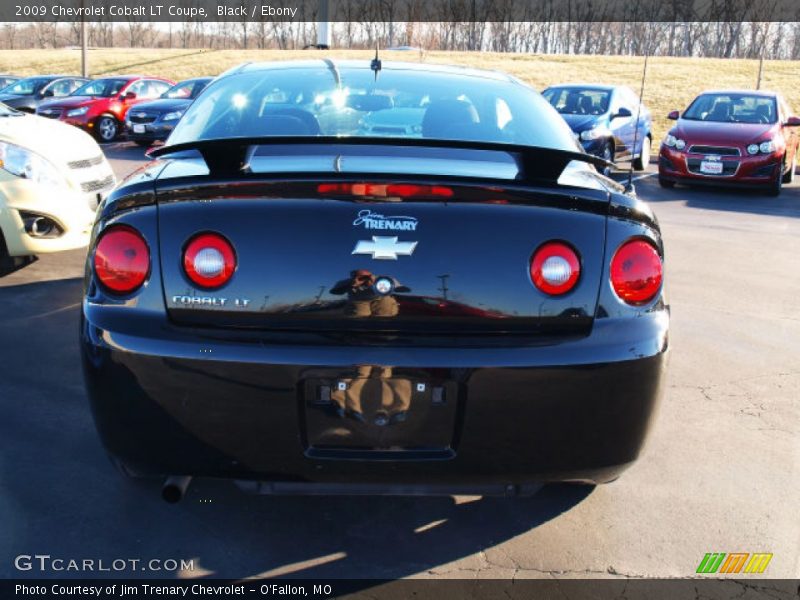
<point>752,149</point>
<point>29,165</point>
<point>172,116</point>
<point>767,147</point>
<point>593,134</point>
<point>672,142</point>
<point>77,112</point>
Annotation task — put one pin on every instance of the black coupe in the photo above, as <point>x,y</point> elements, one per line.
<point>292,300</point>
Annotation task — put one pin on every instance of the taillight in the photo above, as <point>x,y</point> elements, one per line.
<point>386,190</point>
<point>555,268</point>
<point>209,260</point>
<point>121,259</point>
<point>636,272</point>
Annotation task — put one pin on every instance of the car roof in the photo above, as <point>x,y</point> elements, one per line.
<point>51,76</point>
<point>765,93</point>
<point>365,64</point>
<point>194,79</point>
<point>591,86</point>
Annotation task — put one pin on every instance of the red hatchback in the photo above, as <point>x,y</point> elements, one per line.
<point>100,106</point>
<point>731,137</point>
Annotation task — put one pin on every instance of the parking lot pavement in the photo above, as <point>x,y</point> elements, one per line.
<point>720,473</point>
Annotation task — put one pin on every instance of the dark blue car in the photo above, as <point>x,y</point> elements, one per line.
<point>604,119</point>
<point>153,121</point>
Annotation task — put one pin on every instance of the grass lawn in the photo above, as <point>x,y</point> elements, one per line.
<point>671,82</point>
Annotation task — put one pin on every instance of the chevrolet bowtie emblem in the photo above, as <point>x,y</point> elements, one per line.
<point>384,248</point>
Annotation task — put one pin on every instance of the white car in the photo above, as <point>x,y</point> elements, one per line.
<point>52,177</point>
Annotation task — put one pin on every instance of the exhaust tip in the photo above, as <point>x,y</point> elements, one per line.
<point>174,488</point>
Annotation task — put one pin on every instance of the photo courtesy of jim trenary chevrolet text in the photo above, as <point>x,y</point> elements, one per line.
<point>400,298</point>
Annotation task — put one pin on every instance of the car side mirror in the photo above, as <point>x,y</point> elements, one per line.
<point>674,115</point>
<point>48,93</point>
<point>622,112</point>
<point>792,122</point>
<point>129,96</point>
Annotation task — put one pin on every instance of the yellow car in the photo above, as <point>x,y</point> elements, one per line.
<point>52,177</point>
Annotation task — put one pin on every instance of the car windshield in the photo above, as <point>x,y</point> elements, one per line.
<point>26,87</point>
<point>104,88</point>
<point>328,100</point>
<point>578,101</point>
<point>733,108</point>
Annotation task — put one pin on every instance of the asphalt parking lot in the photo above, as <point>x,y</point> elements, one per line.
<point>721,471</point>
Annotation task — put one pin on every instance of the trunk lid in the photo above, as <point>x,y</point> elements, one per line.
<point>312,257</point>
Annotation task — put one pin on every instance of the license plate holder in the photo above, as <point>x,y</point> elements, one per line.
<point>373,410</point>
<point>711,167</point>
<point>138,129</point>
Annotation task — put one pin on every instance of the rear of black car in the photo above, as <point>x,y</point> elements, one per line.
<point>381,316</point>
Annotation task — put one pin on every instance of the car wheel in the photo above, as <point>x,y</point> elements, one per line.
<point>106,128</point>
<point>788,177</point>
<point>607,153</point>
<point>640,164</point>
<point>774,188</point>
<point>6,262</point>
<point>666,183</point>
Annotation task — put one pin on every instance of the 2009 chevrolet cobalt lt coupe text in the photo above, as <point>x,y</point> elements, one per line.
<point>287,301</point>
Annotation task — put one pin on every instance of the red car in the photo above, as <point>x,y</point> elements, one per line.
<point>100,106</point>
<point>731,137</point>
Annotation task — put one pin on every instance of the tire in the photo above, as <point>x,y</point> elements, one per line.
<point>607,153</point>
<point>667,184</point>
<point>774,189</point>
<point>640,164</point>
<point>788,177</point>
<point>6,262</point>
<point>106,128</point>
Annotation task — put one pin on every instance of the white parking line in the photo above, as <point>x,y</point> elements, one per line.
<point>643,176</point>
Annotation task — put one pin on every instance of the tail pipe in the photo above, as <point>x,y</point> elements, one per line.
<point>174,488</point>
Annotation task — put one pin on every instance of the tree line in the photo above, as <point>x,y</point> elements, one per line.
<point>728,39</point>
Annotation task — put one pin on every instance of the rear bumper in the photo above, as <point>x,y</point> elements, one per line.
<point>185,402</point>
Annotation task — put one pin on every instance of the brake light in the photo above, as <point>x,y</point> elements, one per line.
<point>555,268</point>
<point>209,260</point>
<point>636,272</point>
<point>121,259</point>
<point>386,190</point>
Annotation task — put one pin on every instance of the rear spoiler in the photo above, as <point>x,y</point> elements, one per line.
<point>231,156</point>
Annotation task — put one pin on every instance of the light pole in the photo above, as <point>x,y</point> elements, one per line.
<point>84,44</point>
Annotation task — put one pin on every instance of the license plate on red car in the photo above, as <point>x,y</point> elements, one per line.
<point>711,167</point>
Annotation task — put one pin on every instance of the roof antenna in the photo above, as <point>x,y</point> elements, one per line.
<point>375,65</point>
<point>629,186</point>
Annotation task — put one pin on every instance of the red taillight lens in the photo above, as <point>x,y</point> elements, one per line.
<point>121,259</point>
<point>636,272</point>
<point>555,268</point>
<point>209,260</point>
<point>386,190</point>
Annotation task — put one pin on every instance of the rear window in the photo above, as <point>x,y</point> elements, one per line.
<point>349,101</point>
<point>576,101</point>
